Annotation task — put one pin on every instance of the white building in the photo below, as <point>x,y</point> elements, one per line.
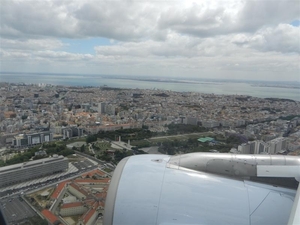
<point>260,147</point>
<point>73,208</point>
<point>21,172</point>
<point>247,148</point>
<point>277,145</point>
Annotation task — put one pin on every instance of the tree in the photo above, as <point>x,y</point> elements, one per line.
<point>82,148</point>
<point>171,151</point>
<point>119,155</point>
<point>145,127</point>
<point>91,138</point>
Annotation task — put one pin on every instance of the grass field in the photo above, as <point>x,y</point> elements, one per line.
<point>102,145</point>
<point>155,140</point>
<point>141,143</point>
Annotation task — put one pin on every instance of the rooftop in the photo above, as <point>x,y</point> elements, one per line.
<point>59,189</point>
<point>71,205</point>
<point>30,163</point>
<point>105,180</point>
<point>78,188</point>
<point>86,217</point>
<point>91,173</point>
<point>50,216</point>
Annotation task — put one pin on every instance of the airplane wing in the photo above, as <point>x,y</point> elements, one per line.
<point>200,188</point>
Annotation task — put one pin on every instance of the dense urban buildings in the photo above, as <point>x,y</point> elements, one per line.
<point>277,145</point>
<point>36,113</point>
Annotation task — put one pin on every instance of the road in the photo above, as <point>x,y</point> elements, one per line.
<point>180,135</point>
<point>151,150</point>
<point>91,148</point>
<point>15,209</point>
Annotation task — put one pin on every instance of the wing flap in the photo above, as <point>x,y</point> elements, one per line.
<point>295,212</point>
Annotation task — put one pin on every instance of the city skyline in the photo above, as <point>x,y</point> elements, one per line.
<point>247,40</point>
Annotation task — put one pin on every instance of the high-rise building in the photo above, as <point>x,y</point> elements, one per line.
<point>247,148</point>
<point>69,132</point>
<point>260,147</point>
<point>102,107</point>
<point>277,145</point>
<point>23,140</point>
<point>191,120</point>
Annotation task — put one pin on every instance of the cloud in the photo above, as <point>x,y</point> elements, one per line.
<point>258,14</point>
<point>59,55</point>
<point>137,20</point>
<point>31,44</point>
<point>208,18</point>
<point>149,37</point>
<point>192,56</point>
<point>35,19</point>
<point>120,20</point>
<point>284,38</point>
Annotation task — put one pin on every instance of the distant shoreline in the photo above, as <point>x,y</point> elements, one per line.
<point>158,79</point>
<point>276,86</point>
<point>164,80</point>
<point>260,89</point>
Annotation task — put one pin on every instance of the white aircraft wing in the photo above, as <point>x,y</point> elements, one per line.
<point>206,189</point>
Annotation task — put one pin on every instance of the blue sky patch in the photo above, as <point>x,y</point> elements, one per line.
<point>84,46</point>
<point>295,23</point>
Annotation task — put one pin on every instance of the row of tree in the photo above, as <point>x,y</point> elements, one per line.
<point>184,129</point>
<point>193,145</point>
<point>145,133</point>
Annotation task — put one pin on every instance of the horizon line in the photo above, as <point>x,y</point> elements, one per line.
<point>142,77</point>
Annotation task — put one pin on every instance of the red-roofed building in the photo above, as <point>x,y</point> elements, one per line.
<point>90,216</point>
<point>101,195</point>
<point>91,181</point>
<point>74,208</point>
<point>78,191</point>
<point>94,172</point>
<point>51,217</point>
<point>59,189</point>
<point>90,203</point>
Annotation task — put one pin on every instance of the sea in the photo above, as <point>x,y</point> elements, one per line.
<point>261,89</point>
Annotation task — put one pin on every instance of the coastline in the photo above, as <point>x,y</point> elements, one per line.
<point>259,89</point>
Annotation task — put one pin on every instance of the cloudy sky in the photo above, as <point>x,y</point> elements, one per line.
<point>216,39</point>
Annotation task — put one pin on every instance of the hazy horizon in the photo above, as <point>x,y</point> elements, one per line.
<point>154,77</point>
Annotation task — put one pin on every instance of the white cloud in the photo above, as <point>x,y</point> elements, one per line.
<point>136,20</point>
<point>233,38</point>
<point>31,44</point>
<point>283,38</point>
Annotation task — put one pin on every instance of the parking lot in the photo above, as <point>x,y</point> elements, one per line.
<point>72,169</point>
<point>16,210</point>
<point>84,164</point>
<point>80,166</point>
